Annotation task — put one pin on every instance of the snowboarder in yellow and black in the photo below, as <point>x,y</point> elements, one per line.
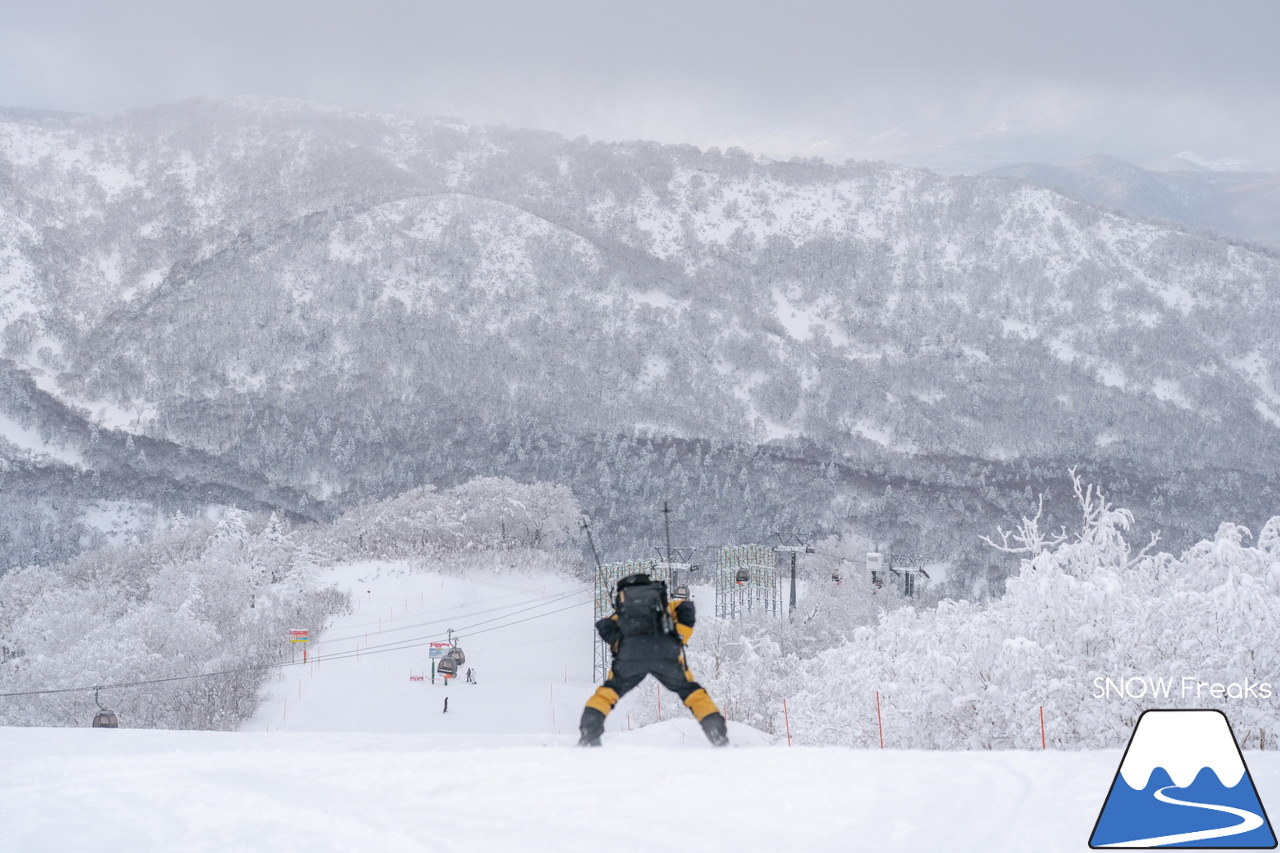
<point>647,635</point>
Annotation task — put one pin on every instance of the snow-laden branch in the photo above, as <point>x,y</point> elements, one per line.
<point>1028,538</point>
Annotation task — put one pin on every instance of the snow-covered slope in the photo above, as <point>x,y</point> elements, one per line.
<point>528,639</point>
<point>98,791</point>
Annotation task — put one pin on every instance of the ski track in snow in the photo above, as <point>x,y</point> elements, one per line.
<point>365,760</point>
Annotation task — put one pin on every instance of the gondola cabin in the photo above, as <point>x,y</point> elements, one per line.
<point>448,667</point>
<point>742,577</point>
<point>875,568</point>
<point>456,655</point>
<point>835,576</point>
<point>106,720</point>
<point>681,592</point>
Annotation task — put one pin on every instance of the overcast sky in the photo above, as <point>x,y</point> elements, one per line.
<point>952,84</point>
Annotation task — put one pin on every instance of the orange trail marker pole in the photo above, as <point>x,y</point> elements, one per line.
<point>879,721</point>
<point>786,717</point>
<point>1043,745</point>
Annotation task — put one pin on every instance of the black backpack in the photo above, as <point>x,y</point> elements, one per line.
<point>641,605</point>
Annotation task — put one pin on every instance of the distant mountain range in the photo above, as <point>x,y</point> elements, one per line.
<point>292,306</point>
<point>1243,204</point>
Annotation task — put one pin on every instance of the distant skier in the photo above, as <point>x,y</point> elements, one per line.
<point>446,705</point>
<point>647,635</point>
<point>471,676</point>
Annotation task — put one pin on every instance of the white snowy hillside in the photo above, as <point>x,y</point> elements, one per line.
<point>353,753</point>
<point>226,302</point>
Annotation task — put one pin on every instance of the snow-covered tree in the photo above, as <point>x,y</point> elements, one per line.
<point>966,675</point>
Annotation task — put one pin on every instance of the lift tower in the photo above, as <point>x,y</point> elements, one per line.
<point>792,543</point>
<point>674,560</point>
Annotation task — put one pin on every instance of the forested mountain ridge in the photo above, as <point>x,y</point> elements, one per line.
<point>1241,203</point>
<point>351,305</point>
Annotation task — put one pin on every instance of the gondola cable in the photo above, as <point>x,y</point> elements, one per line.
<point>394,647</point>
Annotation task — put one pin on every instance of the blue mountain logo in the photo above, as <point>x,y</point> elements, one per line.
<point>1183,783</point>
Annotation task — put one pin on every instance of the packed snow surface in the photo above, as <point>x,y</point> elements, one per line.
<point>100,790</point>
<point>354,755</point>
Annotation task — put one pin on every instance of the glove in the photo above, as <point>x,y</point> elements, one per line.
<point>685,613</point>
<point>608,630</point>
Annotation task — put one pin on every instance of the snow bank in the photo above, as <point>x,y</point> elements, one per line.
<point>98,790</point>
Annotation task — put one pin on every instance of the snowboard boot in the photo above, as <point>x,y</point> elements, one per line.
<point>592,726</point>
<point>714,728</point>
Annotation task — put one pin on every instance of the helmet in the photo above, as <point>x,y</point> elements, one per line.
<point>634,580</point>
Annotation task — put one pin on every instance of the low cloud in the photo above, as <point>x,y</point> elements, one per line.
<point>953,86</point>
